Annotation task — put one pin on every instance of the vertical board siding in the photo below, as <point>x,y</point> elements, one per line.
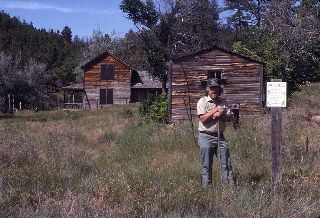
<point>120,85</point>
<point>244,82</point>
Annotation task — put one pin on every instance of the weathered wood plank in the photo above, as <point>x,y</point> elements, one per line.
<point>121,84</point>
<point>244,81</point>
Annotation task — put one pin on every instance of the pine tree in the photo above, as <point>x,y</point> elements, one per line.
<point>67,35</point>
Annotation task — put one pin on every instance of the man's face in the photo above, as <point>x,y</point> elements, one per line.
<point>213,92</point>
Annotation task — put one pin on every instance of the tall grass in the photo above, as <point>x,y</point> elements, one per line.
<point>109,163</point>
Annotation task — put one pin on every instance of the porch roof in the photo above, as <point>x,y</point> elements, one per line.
<point>147,81</point>
<point>74,87</point>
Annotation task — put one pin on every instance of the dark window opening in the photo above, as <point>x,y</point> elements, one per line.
<point>110,72</point>
<point>107,72</point>
<point>216,74</point>
<point>103,72</point>
<point>103,96</point>
<point>106,96</point>
<point>109,96</point>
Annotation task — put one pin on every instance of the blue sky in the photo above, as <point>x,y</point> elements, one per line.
<point>82,16</point>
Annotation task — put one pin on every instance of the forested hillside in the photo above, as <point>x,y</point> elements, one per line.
<point>285,35</point>
<point>35,64</point>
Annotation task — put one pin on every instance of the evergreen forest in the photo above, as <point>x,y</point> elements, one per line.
<point>285,35</point>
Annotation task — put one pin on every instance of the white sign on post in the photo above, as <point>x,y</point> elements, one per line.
<point>276,94</point>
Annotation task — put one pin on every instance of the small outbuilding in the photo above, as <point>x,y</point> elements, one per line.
<point>74,97</point>
<point>144,86</point>
<point>242,76</point>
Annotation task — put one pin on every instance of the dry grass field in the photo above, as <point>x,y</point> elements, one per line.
<point>110,163</point>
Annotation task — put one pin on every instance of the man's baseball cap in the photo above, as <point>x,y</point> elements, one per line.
<point>212,83</point>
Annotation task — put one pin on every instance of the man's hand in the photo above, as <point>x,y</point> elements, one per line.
<point>211,115</point>
<point>207,116</point>
<point>219,113</point>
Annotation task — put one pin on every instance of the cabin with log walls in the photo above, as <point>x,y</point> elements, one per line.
<point>243,78</point>
<point>107,80</point>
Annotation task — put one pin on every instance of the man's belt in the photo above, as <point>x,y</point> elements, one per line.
<point>209,133</point>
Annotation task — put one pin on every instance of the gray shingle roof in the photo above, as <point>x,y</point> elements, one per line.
<point>100,56</point>
<point>147,81</point>
<point>76,86</point>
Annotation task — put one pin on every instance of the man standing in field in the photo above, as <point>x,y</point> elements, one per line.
<point>212,113</point>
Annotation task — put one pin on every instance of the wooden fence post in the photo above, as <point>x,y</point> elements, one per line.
<point>276,130</point>
<point>276,145</point>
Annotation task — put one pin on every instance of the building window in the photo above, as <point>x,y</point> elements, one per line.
<point>107,72</point>
<point>103,96</point>
<point>216,74</point>
<point>106,96</point>
<point>109,96</point>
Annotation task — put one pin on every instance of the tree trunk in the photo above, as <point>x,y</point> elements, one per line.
<point>286,69</point>
<point>259,14</point>
<point>164,86</point>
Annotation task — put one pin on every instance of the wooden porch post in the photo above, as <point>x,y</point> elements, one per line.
<point>83,101</point>
<point>170,91</point>
<point>64,99</point>
<point>9,103</point>
<point>13,104</point>
<point>73,101</point>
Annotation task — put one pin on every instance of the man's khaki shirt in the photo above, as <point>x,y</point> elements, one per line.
<point>206,104</point>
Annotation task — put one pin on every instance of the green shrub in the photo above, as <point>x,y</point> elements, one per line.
<point>155,110</point>
<point>144,106</point>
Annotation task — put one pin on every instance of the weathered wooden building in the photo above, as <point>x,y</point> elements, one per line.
<point>243,76</point>
<point>74,96</point>
<point>107,80</point>
<point>144,86</point>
